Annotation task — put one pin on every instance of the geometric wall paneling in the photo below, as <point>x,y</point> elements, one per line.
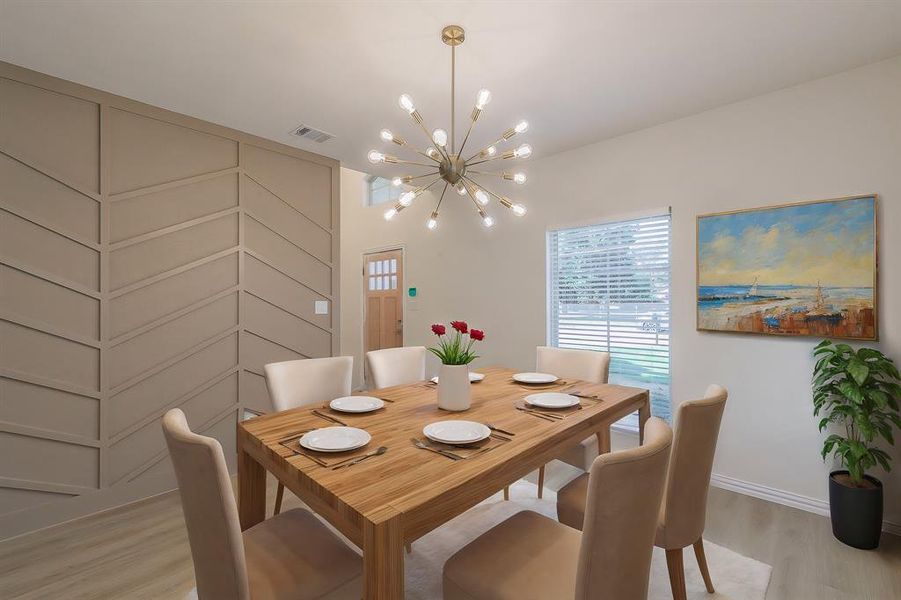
<point>131,358</point>
<point>62,465</point>
<point>135,262</point>
<point>47,251</point>
<point>145,151</point>
<point>152,396</point>
<point>257,351</point>
<point>51,410</point>
<point>142,267</point>
<point>136,214</point>
<point>149,303</point>
<point>254,393</point>
<point>274,287</point>
<point>30,193</point>
<point>134,450</point>
<point>267,208</point>
<point>283,328</point>
<point>282,255</point>
<point>32,352</point>
<point>303,184</point>
<point>53,132</point>
<point>25,298</point>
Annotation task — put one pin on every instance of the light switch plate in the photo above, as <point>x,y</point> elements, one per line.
<point>321,307</point>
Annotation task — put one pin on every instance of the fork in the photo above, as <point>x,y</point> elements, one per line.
<point>423,446</point>
<point>378,452</point>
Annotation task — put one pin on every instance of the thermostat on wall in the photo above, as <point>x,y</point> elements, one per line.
<point>411,292</point>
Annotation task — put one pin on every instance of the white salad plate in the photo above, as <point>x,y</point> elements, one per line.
<point>335,439</point>
<point>534,377</point>
<point>552,400</point>
<point>356,404</point>
<point>473,377</point>
<point>456,432</point>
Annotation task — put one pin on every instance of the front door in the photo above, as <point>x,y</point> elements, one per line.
<point>383,283</point>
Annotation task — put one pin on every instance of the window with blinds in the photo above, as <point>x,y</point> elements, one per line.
<point>609,291</point>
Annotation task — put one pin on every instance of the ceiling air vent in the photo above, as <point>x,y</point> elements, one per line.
<point>308,133</point>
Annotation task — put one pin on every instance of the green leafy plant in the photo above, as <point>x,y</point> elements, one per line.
<point>857,389</point>
<point>455,350</point>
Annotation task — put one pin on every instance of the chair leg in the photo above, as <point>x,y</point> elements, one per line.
<point>279,493</point>
<point>702,564</point>
<point>541,481</point>
<point>506,492</point>
<point>676,573</point>
<point>409,548</point>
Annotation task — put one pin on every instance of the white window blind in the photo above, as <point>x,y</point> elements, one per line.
<point>609,291</point>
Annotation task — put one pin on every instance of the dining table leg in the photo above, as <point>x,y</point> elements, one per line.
<point>383,556</point>
<point>644,413</point>
<point>603,436</point>
<point>251,489</point>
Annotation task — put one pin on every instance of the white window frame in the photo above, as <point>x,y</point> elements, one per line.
<point>627,425</point>
<point>394,192</point>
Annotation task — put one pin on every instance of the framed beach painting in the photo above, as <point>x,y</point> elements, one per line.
<point>794,269</point>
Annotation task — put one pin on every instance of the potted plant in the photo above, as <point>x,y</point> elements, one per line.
<point>455,353</point>
<point>858,391</point>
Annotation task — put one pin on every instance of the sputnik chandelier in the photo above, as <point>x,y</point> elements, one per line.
<point>446,161</point>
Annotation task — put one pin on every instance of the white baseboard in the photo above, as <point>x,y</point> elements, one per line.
<point>812,505</point>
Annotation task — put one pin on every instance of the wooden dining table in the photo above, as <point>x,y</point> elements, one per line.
<point>390,500</point>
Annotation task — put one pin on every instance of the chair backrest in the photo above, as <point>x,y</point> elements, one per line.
<point>296,383</point>
<point>211,514</point>
<point>685,500</point>
<point>624,493</point>
<point>396,366</point>
<point>587,365</point>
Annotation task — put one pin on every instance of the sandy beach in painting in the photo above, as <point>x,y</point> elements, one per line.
<point>803,269</point>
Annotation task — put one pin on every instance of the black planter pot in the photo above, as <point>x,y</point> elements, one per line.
<point>856,512</point>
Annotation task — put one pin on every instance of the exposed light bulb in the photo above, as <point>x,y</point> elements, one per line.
<point>439,136</point>
<point>483,98</point>
<point>376,157</point>
<point>431,152</point>
<point>406,199</point>
<point>523,151</point>
<point>397,181</point>
<point>406,103</point>
<point>481,197</point>
<point>390,213</point>
<point>521,127</point>
<point>433,221</point>
<point>519,178</point>
<point>491,151</point>
<point>518,210</point>
<point>487,221</point>
<point>461,189</point>
<point>386,135</point>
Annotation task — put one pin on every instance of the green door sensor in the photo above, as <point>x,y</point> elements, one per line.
<point>412,292</point>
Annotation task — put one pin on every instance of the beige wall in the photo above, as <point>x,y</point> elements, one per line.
<point>147,260</point>
<point>828,138</point>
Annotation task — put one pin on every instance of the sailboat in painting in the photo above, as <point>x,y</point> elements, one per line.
<point>811,268</point>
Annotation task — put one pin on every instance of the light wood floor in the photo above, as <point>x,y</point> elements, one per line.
<point>141,551</point>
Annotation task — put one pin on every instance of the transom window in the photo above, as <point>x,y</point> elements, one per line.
<point>609,291</point>
<point>379,190</point>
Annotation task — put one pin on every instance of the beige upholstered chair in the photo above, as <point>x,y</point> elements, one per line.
<point>396,366</point>
<point>585,365</point>
<point>681,521</point>
<point>529,556</point>
<point>296,383</point>
<point>292,555</point>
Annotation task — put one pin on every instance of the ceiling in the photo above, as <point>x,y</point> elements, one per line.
<point>579,72</point>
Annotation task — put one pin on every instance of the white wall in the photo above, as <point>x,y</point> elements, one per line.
<point>832,137</point>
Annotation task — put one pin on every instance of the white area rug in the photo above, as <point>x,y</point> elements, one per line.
<point>735,577</point>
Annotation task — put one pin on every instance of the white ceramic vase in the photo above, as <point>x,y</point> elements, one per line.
<point>454,391</point>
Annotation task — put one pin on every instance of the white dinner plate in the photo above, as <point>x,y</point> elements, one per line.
<point>356,404</point>
<point>456,432</point>
<point>552,400</point>
<point>473,377</point>
<point>335,439</point>
<point>534,377</point>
